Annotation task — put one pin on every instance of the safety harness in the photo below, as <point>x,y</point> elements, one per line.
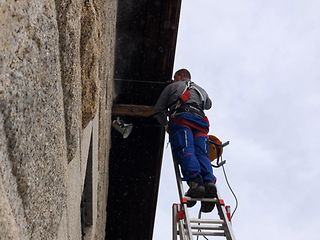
<point>181,104</point>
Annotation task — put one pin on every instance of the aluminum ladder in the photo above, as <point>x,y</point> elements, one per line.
<point>186,228</point>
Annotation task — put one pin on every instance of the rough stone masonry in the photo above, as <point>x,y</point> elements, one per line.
<point>56,74</point>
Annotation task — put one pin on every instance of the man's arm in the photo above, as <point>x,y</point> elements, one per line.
<point>161,107</point>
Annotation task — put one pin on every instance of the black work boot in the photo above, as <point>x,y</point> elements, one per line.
<point>210,192</point>
<point>196,190</point>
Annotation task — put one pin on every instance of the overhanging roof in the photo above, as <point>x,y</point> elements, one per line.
<point>144,56</point>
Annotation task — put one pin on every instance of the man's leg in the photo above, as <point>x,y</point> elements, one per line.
<point>182,144</point>
<point>181,140</point>
<point>200,143</point>
<point>201,153</point>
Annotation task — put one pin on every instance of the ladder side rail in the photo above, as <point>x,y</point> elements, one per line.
<point>187,222</point>
<point>174,221</point>
<point>227,224</point>
<point>177,223</point>
<point>181,195</point>
<point>178,178</point>
<point>181,231</point>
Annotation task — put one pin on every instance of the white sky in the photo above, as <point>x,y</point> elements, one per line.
<point>259,60</point>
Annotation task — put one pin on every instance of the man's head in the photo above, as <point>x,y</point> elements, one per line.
<point>182,74</point>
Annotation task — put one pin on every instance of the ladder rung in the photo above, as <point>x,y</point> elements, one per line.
<point>208,233</point>
<point>206,227</point>
<point>214,221</point>
<point>199,233</point>
<point>215,200</point>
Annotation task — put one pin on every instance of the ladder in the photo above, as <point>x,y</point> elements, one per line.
<point>186,228</point>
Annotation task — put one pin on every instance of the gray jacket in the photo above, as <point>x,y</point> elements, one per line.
<point>173,91</point>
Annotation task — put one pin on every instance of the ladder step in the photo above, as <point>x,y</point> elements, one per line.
<point>215,200</point>
<point>214,221</point>
<point>199,233</point>
<point>206,227</point>
<point>221,234</point>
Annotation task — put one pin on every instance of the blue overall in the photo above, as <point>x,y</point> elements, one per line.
<point>190,148</point>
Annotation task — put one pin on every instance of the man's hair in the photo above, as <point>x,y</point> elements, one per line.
<point>184,73</point>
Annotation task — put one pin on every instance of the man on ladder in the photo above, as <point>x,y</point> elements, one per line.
<point>184,103</point>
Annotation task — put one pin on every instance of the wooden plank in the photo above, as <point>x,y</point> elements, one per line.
<point>132,110</point>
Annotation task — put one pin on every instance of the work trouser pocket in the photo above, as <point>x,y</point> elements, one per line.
<point>179,142</point>
<point>201,145</point>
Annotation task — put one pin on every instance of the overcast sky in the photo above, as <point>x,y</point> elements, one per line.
<point>259,60</point>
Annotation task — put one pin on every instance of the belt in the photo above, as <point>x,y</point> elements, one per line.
<point>190,108</point>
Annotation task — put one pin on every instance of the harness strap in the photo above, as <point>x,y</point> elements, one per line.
<point>190,108</point>
<point>200,94</point>
<point>185,96</point>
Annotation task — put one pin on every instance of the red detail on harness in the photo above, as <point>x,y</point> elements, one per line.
<point>184,122</point>
<point>185,96</point>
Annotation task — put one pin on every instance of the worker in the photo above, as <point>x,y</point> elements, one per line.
<point>184,102</point>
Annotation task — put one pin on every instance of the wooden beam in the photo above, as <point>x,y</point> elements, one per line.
<point>132,110</point>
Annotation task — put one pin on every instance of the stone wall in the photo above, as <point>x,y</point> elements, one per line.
<point>56,74</point>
